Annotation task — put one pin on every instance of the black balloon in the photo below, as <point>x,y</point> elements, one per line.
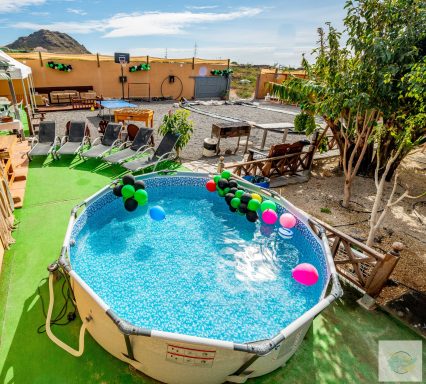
<point>229,197</point>
<point>233,190</point>
<point>232,209</point>
<point>243,208</point>
<point>252,216</point>
<point>117,190</point>
<point>128,179</point>
<point>245,198</point>
<point>130,204</point>
<point>223,183</point>
<point>233,184</point>
<point>139,185</point>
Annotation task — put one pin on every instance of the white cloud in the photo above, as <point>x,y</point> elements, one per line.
<point>8,6</point>
<point>199,7</point>
<point>76,11</point>
<point>143,24</point>
<point>40,13</point>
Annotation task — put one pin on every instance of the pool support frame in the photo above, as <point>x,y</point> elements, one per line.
<point>259,348</point>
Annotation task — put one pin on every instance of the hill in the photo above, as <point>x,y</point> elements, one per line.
<point>51,41</point>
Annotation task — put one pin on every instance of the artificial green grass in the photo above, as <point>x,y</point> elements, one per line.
<point>341,347</point>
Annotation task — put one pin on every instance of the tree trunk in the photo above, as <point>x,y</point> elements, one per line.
<point>347,192</point>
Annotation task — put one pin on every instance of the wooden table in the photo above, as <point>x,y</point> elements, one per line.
<point>135,114</point>
<point>227,130</point>
<point>274,127</point>
<point>6,152</point>
<point>13,126</point>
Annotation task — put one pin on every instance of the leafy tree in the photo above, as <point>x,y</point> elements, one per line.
<point>371,90</point>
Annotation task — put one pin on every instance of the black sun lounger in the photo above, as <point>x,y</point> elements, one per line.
<point>46,141</point>
<point>139,144</point>
<point>162,153</point>
<point>74,142</point>
<point>106,143</point>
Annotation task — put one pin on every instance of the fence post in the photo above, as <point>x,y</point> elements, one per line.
<point>41,60</point>
<point>147,59</point>
<point>220,165</point>
<point>193,63</point>
<point>97,59</point>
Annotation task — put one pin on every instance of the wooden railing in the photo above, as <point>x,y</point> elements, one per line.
<point>361,265</point>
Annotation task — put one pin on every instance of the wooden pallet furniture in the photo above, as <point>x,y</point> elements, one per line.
<point>79,103</point>
<point>7,144</point>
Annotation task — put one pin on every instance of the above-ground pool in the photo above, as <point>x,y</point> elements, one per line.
<point>201,296</point>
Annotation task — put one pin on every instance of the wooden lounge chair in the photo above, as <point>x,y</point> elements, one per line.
<point>46,141</point>
<point>104,144</point>
<point>139,144</point>
<point>74,142</point>
<point>162,153</point>
<point>282,159</point>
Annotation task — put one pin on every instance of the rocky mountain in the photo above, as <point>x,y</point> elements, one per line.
<point>51,41</point>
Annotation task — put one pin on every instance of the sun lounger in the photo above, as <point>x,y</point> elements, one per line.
<point>74,142</point>
<point>46,141</point>
<point>106,143</point>
<point>162,153</point>
<point>140,143</point>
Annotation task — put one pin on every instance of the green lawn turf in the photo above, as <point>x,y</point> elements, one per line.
<point>341,347</point>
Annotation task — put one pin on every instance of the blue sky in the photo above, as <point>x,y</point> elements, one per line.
<point>257,32</point>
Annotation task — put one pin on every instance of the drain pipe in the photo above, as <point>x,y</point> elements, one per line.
<point>59,343</point>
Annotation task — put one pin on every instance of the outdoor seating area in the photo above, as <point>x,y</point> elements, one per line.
<point>252,219</point>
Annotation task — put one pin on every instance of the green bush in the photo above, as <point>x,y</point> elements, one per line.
<point>303,122</point>
<point>178,122</point>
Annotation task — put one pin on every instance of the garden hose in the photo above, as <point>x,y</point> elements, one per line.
<point>59,343</point>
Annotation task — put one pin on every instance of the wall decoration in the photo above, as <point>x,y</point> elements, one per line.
<point>140,67</point>
<point>59,66</point>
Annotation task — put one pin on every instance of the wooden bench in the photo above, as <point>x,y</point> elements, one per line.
<point>228,130</point>
<point>78,103</point>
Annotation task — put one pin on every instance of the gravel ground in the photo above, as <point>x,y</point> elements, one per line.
<point>202,124</point>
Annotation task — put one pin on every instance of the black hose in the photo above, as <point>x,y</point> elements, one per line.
<point>68,296</point>
<point>181,87</point>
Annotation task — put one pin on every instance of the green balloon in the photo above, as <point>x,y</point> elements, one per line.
<point>253,205</point>
<point>141,196</point>
<point>235,202</point>
<point>216,178</point>
<point>128,191</point>
<point>268,204</point>
<point>226,174</point>
<point>220,192</point>
<point>239,193</point>
<point>226,190</point>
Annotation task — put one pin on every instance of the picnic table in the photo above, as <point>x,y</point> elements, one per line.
<point>274,127</point>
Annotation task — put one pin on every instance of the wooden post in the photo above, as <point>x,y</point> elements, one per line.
<point>220,165</point>
<point>229,63</point>
<point>41,60</point>
<point>147,59</point>
<point>193,63</point>
<point>378,278</point>
<point>97,59</point>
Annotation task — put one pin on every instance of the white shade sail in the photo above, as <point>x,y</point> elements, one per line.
<point>17,69</point>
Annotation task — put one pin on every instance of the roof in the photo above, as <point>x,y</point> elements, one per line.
<point>17,70</point>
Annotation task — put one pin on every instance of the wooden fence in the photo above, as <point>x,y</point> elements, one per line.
<point>361,265</point>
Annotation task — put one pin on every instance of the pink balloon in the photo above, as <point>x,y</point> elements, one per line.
<point>287,220</point>
<point>269,216</point>
<point>305,274</point>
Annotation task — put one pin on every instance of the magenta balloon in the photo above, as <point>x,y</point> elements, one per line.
<point>305,274</point>
<point>287,220</point>
<point>269,216</point>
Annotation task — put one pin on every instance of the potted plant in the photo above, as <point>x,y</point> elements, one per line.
<point>178,122</point>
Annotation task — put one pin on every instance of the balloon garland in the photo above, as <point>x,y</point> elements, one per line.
<point>224,72</point>
<point>133,192</point>
<point>140,67</point>
<point>241,201</point>
<point>59,66</point>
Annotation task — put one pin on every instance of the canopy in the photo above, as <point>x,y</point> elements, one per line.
<point>19,70</point>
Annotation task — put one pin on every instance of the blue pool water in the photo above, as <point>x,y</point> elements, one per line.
<point>203,271</point>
